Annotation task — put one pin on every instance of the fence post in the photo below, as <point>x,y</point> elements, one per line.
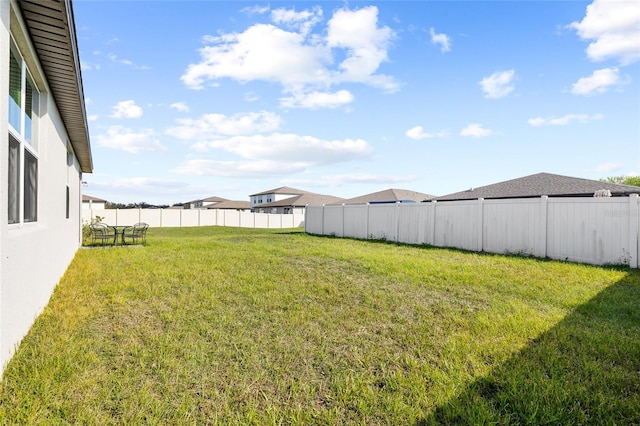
<point>432,231</point>
<point>480,242</point>
<point>541,237</point>
<point>367,221</point>
<point>397,230</point>
<point>634,232</point>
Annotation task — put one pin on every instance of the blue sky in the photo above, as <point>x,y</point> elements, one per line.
<point>191,99</point>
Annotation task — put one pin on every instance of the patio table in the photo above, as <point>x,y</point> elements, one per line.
<point>119,230</point>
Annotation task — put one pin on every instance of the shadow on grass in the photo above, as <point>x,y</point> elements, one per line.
<point>585,370</point>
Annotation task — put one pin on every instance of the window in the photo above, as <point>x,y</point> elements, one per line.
<point>69,170</point>
<point>22,191</point>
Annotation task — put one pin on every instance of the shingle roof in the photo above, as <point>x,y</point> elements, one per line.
<point>282,190</point>
<point>541,184</point>
<point>230,205</point>
<point>214,199</point>
<point>86,197</point>
<point>390,195</point>
<point>302,200</point>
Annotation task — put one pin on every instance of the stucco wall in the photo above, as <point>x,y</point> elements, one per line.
<point>34,256</point>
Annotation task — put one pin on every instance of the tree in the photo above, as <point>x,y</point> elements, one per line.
<point>623,180</point>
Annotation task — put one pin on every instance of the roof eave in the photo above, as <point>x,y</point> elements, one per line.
<point>57,18</point>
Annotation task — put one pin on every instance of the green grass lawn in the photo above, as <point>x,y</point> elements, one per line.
<point>237,326</point>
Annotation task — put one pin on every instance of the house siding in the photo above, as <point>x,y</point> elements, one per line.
<point>34,256</point>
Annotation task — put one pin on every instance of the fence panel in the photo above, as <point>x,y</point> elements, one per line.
<point>457,224</point>
<point>333,221</point>
<point>261,221</point>
<point>108,216</point>
<point>414,222</point>
<point>208,217</point>
<point>313,219</point>
<point>171,217</point>
<point>190,217</point>
<point>355,221</point>
<point>383,222</point>
<point>511,226</point>
<point>589,230</point>
<point>151,216</point>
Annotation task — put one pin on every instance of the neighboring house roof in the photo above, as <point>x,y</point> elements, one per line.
<point>52,30</point>
<point>282,190</point>
<point>541,184</point>
<point>212,199</point>
<point>302,200</point>
<point>390,196</point>
<point>88,198</point>
<point>230,205</point>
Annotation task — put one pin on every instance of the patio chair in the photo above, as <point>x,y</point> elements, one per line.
<point>103,233</point>
<point>137,232</point>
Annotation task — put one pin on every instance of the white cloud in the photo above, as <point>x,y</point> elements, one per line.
<point>138,184</point>
<point>118,137</point>
<point>211,126</point>
<point>599,82</point>
<point>261,52</point>
<point>366,44</point>
<point>607,167</point>
<point>238,169</point>
<point>255,10</point>
<point>180,106</point>
<point>615,28</point>
<point>564,120</point>
<point>498,84</point>
<point>318,100</point>
<point>475,130</point>
<point>126,109</point>
<point>366,178</point>
<point>114,58</point>
<point>85,66</point>
<point>442,39</point>
<point>251,97</point>
<point>292,148</point>
<point>348,179</point>
<point>418,133</point>
<point>301,62</point>
<point>302,21</point>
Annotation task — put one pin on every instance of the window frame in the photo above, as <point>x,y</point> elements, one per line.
<point>22,187</point>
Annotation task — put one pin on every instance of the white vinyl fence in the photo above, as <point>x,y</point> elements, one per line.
<point>586,230</point>
<point>194,217</point>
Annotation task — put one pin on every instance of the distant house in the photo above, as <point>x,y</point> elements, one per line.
<point>390,196</point>
<point>43,116</point>
<point>231,205</point>
<point>203,203</point>
<point>297,203</point>
<point>89,202</point>
<point>278,194</point>
<point>542,184</point>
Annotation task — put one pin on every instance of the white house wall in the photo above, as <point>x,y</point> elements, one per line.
<point>34,256</point>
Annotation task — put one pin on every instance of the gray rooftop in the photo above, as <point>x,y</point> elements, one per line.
<point>230,205</point>
<point>283,190</point>
<point>303,200</point>
<point>390,196</point>
<point>541,184</point>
